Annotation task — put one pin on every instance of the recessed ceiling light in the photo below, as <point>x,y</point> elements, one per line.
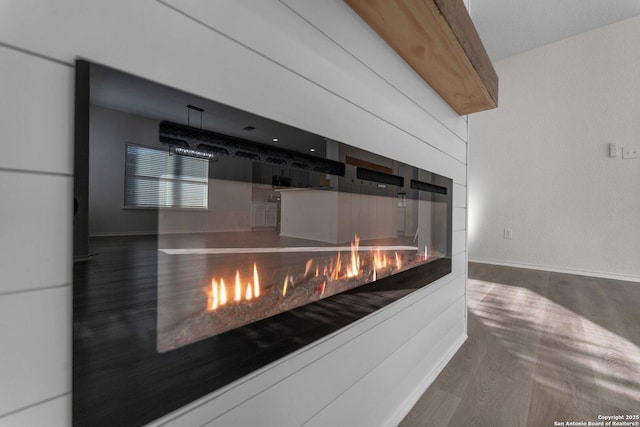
<point>312,149</point>
<point>275,139</point>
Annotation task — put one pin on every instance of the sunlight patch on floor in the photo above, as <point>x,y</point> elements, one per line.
<point>581,353</point>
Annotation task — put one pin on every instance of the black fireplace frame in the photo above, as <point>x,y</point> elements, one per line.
<point>119,378</point>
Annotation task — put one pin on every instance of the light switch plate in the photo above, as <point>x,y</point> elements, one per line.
<point>631,152</point>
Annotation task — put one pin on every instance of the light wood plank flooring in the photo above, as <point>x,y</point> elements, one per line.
<point>543,347</point>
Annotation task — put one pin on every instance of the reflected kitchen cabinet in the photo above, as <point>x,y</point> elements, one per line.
<point>264,215</point>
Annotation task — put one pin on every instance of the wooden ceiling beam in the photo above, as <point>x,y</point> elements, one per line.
<point>439,41</point>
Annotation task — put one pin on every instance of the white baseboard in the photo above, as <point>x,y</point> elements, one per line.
<point>599,274</point>
<point>417,393</point>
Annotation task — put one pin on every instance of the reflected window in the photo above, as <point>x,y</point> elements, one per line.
<point>158,179</point>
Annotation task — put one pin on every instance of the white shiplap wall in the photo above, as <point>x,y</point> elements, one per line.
<point>314,65</point>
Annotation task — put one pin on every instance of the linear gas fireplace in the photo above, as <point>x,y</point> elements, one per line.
<point>211,242</point>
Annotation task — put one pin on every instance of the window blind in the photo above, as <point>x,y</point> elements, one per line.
<point>155,178</point>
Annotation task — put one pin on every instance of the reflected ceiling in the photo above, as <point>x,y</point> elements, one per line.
<point>134,95</point>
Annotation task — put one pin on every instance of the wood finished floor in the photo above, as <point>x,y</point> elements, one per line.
<point>543,347</point>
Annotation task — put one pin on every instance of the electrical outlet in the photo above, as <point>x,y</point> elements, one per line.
<point>631,152</point>
<point>508,233</point>
<point>613,150</point>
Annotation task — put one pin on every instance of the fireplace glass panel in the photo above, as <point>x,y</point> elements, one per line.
<point>205,249</point>
<point>262,249</point>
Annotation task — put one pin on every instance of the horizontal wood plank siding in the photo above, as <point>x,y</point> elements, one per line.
<point>283,60</point>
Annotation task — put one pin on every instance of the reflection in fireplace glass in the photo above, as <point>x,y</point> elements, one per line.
<point>318,236</point>
<point>206,252</point>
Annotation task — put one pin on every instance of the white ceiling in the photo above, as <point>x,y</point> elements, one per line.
<point>509,27</point>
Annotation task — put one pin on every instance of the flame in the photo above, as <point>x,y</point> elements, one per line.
<point>284,287</point>
<point>336,271</point>
<point>307,267</point>
<point>256,281</point>
<point>354,269</point>
<point>223,293</point>
<point>217,293</point>
<point>398,261</point>
<point>238,287</point>
<point>338,268</point>
<point>379,261</point>
<point>213,295</point>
